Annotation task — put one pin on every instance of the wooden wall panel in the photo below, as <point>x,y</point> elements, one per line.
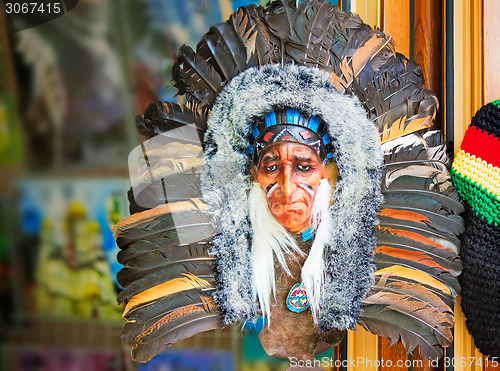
<point>464,345</point>
<point>421,364</point>
<point>429,48</point>
<point>362,344</point>
<point>491,50</point>
<point>491,365</point>
<point>468,66</point>
<point>396,22</point>
<point>394,353</point>
<point>370,11</point>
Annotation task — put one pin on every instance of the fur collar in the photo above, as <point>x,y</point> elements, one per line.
<point>226,183</point>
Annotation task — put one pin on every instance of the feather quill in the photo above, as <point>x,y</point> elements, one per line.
<point>447,241</point>
<point>175,326</point>
<point>412,241</point>
<point>172,188</point>
<point>189,281</point>
<point>144,218</point>
<point>166,304</point>
<point>437,321</point>
<point>178,258</point>
<point>137,281</point>
<point>196,320</point>
<point>193,76</point>
<point>214,50</point>
<point>380,320</point>
<point>427,200</point>
<point>417,291</point>
<point>386,261</point>
<point>424,229</point>
<point>161,117</point>
<point>414,256</point>
<point>411,147</point>
<point>405,275</point>
<point>452,224</point>
<point>190,226</point>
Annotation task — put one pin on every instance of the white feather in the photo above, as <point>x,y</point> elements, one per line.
<point>270,239</point>
<point>313,270</point>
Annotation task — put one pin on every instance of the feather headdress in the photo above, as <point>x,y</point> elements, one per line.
<point>316,58</point>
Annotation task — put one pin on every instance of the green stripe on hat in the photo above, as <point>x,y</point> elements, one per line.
<point>483,202</point>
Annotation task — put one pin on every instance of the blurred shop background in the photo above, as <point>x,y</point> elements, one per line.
<point>70,89</point>
<point>69,92</point>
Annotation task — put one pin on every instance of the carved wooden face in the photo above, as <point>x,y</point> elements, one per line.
<point>290,174</point>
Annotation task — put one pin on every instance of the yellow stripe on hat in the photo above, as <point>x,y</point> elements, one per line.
<point>478,171</point>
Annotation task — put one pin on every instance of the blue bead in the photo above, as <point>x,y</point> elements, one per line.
<point>306,235</point>
<point>313,123</point>
<point>255,131</point>
<point>326,139</point>
<point>270,119</point>
<point>292,116</point>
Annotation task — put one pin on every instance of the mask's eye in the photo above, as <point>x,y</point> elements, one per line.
<point>271,168</point>
<point>304,168</point>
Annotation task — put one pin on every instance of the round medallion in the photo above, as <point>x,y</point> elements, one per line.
<point>297,299</point>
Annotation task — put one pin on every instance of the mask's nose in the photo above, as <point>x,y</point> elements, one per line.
<point>287,183</point>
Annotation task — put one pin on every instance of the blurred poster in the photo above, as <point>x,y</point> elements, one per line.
<point>189,360</point>
<point>74,88</point>
<point>10,131</point>
<point>11,149</point>
<point>34,359</point>
<point>237,3</point>
<point>68,250</point>
<point>156,30</point>
<point>7,225</point>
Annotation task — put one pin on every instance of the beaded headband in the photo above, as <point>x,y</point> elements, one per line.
<point>290,125</point>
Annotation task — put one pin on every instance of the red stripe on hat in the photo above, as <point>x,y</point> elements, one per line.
<point>482,145</point>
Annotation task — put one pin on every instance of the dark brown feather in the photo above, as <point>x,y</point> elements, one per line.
<point>160,117</point>
<point>193,76</point>
<point>173,327</point>
<point>394,325</point>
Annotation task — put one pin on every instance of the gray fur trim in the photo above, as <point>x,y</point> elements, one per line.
<point>225,185</point>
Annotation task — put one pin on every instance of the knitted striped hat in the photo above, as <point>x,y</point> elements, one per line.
<point>476,175</point>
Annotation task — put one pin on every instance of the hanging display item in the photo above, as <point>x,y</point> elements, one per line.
<point>297,300</point>
<point>476,175</point>
<point>300,182</point>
